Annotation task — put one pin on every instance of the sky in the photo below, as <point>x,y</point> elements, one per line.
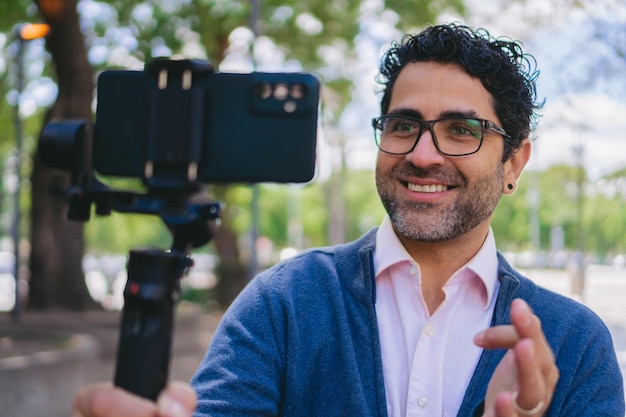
<point>583,85</point>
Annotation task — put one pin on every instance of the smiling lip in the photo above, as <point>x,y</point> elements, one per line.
<point>430,188</point>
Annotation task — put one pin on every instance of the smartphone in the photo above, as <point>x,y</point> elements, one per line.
<point>186,123</point>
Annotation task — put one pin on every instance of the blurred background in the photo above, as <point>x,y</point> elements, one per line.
<point>567,215</point>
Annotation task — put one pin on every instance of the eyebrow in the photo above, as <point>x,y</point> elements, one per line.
<point>405,112</point>
<point>417,115</point>
<point>459,113</point>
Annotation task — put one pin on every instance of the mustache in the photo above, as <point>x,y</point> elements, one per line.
<point>439,174</point>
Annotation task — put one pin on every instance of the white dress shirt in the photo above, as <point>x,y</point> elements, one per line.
<point>428,360</point>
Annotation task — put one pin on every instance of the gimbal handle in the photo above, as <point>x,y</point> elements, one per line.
<point>144,349</point>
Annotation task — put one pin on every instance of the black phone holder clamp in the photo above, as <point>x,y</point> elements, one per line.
<point>175,115</point>
<point>153,283</point>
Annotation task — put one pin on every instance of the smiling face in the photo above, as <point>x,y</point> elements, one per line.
<point>431,197</point>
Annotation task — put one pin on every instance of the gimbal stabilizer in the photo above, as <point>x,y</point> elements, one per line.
<point>154,276</point>
<point>178,125</point>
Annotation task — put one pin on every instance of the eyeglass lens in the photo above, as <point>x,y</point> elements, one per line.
<point>452,136</point>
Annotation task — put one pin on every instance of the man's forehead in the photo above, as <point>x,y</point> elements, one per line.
<point>433,89</point>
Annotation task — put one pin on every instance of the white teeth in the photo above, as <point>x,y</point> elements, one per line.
<point>434,188</point>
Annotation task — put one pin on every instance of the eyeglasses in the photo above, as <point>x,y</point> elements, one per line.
<point>452,136</point>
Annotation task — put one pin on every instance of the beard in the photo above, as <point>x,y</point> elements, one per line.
<point>437,222</point>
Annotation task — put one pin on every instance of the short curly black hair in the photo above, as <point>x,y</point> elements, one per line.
<point>505,71</point>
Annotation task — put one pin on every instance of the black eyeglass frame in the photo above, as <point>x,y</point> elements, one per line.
<point>428,124</point>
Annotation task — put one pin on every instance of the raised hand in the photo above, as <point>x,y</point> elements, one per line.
<point>524,381</point>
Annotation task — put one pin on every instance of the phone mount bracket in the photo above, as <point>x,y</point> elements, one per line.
<point>175,123</point>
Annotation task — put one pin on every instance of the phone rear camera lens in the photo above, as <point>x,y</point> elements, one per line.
<point>263,90</point>
<point>281,91</point>
<point>297,91</point>
<point>290,106</point>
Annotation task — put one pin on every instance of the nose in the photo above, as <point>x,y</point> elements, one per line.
<point>425,153</point>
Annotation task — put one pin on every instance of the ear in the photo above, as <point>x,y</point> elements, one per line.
<point>515,165</point>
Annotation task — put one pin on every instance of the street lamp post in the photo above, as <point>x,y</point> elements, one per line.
<point>24,33</point>
<point>578,279</point>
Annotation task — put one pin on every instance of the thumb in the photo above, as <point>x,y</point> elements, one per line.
<point>177,400</point>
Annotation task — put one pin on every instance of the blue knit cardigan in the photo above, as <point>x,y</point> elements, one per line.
<point>302,340</point>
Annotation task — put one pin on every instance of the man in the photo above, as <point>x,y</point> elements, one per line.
<point>393,324</point>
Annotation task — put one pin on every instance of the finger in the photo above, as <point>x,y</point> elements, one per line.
<point>524,324</point>
<point>525,321</point>
<point>528,326</point>
<point>504,379</point>
<point>497,337</point>
<point>177,400</point>
<point>503,406</point>
<point>81,406</point>
<point>104,400</point>
<point>532,386</point>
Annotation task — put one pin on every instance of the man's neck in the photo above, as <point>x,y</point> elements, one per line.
<point>438,261</point>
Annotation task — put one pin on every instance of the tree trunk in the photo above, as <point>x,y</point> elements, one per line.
<point>56,276</point>
<point>232,273</point>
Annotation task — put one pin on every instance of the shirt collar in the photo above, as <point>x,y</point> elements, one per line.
<point>485,265</point>
<point>390,251</point>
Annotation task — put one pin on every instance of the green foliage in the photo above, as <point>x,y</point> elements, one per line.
<point>511,219</point>
<point>7,121</point>
<point>605,222</point>
<point>304,26</point>
<point>14,11</point>
<point>599,214</point>
<point>118,233</point>
<point>31,125</point>
<point>315,216</point>
<point>306,209</point>
<point>284,212</point>
<point>414,15</point>
<point>363,207</point>
<point>215,20</point>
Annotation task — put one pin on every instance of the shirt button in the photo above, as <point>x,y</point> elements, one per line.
<point>423,402</point>
<point>412,270</point>
<point>429,329</point>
